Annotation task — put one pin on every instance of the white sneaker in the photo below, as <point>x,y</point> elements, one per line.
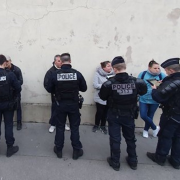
<point>145,134</point>
<point>51,129</point>
<point>67,127</point>
<point>155,132</point>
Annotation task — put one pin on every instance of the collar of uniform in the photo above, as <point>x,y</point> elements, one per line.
<point>176,74</point>
<point>66,66</point>
<point>121,76</point>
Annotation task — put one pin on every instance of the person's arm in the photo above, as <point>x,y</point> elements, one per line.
<point>20,77</point>
<point>105,90</point>
<point>47,78</point>
<point>15,83</point>
<point>82,83</point>
<point>49,82</point>
<point>165,92</point>
<point>141,87</point>
<point>96,83</point>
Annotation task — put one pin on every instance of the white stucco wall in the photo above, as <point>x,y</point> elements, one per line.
<point>33,31</point>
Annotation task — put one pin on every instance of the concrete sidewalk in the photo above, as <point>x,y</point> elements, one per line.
<point>37,161</point>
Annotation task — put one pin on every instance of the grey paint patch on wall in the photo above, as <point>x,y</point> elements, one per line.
<point>116,37</point>
<point>128,54</point>
<point>72,1</point>
<point>174,15</point>
<point>96,39</point>
<point>128,38</point>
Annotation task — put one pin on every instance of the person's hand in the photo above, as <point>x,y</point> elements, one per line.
<point>154,87</point>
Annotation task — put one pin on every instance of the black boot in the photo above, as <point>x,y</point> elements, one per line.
<point>173,164</point>
<point>133,165</point>
<point>114,165</point>
<point>77,153</point>
<point>12,150</point>
<point>19,126</point>
<point>155,158</point>
<point>58,152</point>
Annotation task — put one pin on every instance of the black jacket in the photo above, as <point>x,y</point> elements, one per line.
<point>51,82</point>
<point>106,91</point>
<point>17,71</point>
<point>48,75</point>
<point>15,86</point>
<point>168,94</point>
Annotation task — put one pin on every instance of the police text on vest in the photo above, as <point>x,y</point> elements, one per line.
<point>67,77</point>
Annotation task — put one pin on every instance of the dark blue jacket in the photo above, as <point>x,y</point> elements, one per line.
<point>168,94</point>
<point>48,75</point>
<point>17,71</point>
<point>52,82</point>
<point>14,84</point>
<point>106,88</point>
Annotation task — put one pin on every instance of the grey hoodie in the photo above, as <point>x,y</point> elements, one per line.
<point>99,79</point>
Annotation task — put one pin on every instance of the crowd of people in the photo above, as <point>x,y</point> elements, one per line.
<point>117,96</point>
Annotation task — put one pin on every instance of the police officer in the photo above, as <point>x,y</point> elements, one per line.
<point>121,93</point>
<point>9,86</point>
<point>56,65</point>
<point>17,71</point>
<point>66,84</point>
<point>168,94</point>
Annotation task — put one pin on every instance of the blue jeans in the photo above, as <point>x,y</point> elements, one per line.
<point>147,113</point>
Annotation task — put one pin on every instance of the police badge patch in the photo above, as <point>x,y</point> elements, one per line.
<point>3,78</point>
<point>124,89</point>
<point>67,77</point>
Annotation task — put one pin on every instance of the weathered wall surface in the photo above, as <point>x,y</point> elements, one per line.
<point>33,31</point>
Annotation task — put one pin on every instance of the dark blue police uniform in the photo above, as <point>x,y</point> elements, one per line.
<point>48,75</point>
<point>66,84</point>
<point>121,94</point>
<point>168,94</point>
<point>17,71</point>
<point>9,89</point>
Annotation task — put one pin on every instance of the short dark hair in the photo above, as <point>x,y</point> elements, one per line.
<point>175,67</point>
<point>152,62</point>
<point>57,55</point>
<point>65,57</point>
<point>2,59</point>
<point>104,63</point>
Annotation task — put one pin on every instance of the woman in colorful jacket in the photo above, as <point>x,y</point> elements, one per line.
<point>146,104</point>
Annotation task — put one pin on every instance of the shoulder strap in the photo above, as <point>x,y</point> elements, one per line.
<point>143,74</point>
<point>160,76</point>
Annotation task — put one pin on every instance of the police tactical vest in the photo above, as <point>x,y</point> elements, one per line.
<point>124,94</point>
<point>67,87</point>
<point>5,89</point>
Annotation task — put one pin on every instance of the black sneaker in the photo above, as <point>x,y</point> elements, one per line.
<point>153,157</point>
<point>12,150</point>
<point>114,165</point>
<point>133,165</point>
<point>19,126</point>
<point>103,129</point>
<point>173,164</point>
<point>95,128</point>
<point>58,152</point>
<point>77,153</point>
